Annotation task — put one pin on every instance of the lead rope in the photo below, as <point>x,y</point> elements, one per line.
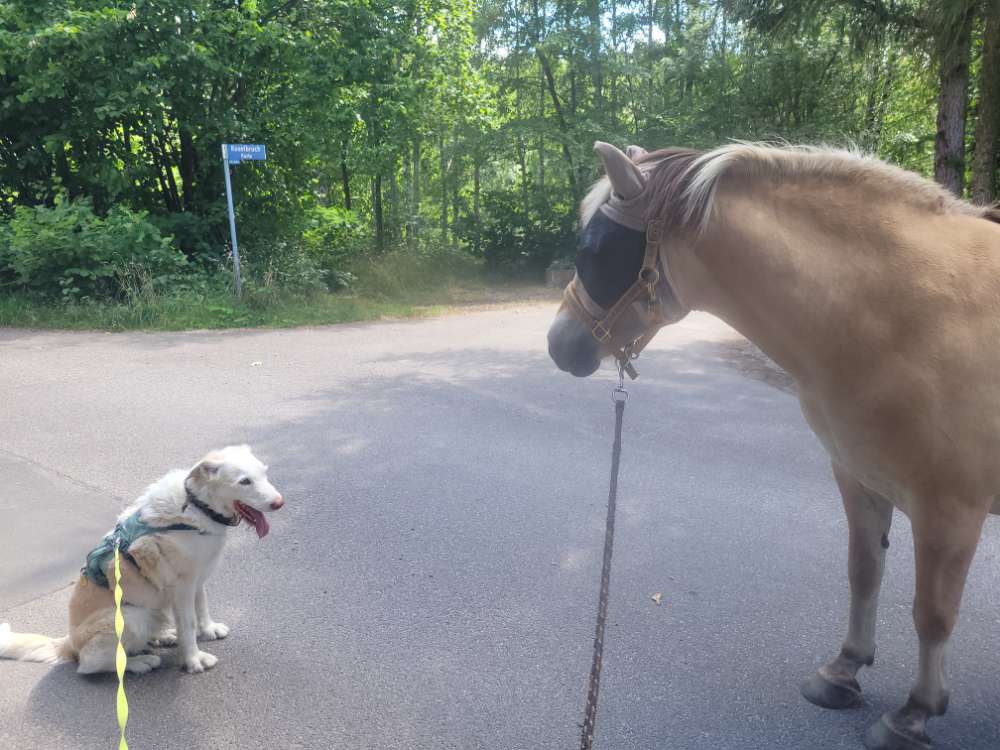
<point>121,658</point>
<point>619,396</point>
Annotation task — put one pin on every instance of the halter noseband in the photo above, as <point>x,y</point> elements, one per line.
<point>602,321</point>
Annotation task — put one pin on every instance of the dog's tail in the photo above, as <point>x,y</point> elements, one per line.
<point>31,647</point>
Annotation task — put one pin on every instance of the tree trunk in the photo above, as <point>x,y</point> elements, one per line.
<point>345,181</point>
<point>883,103</point>
<point>572,91</point>
<point>613,55</point>
<point>377,211</point>
<point>416,188</point>
<point>649,26</point>
<point>986,157</point>
<point>538,31</point>
<point>64,173</point>
<point>160,176</point>
<point>393,205</point>
<point>444,191</point>
<point>522,162</point>
<point>523,165</point>
<point>594,16</point>
<point>189,167</point>
<point>456,206</point>
<point>541,138</point>
<point>949,144</point>
<point>557,105</point>
<point>127,139</point>
<point>408,184</point>
<point>168,169</point>
<point>475,200</point>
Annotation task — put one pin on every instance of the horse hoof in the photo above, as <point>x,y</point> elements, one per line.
<point>826,693</point>
<point>884,736</point>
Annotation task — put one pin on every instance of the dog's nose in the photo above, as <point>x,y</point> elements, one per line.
<point>277,502</point>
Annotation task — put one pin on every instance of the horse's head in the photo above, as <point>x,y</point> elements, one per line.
<point>621,294</point>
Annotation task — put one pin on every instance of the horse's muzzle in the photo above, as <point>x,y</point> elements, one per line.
<point>572,347</point>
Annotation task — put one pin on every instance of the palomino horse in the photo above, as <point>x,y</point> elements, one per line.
<point>879,293</point>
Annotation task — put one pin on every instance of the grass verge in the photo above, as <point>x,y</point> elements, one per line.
<point>395,286</point>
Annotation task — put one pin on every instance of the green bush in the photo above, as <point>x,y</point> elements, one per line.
<point>7,275</point>
<point>269,267</point>
<point>201,237</point>
<point>67,251</point>
<point>331,239</point>
<point>514,241</point>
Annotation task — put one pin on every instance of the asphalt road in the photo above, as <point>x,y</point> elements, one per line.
<point>432,580</point>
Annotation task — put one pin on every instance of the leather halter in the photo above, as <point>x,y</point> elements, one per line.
<point>602,322</point>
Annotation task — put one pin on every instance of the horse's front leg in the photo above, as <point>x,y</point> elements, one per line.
<point>944,540</point>
<point>835,685</point>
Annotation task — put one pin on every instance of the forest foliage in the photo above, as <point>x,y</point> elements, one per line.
<point>433,126</point>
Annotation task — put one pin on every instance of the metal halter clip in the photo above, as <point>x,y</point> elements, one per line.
<point>649,277</point>
<point>624,366</point>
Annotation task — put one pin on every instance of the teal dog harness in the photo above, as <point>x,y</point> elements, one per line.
<point>124,534</point>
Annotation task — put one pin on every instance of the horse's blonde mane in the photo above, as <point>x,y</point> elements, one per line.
<point>600,191</point>
<point>682,184</point>
<point>597,196</point>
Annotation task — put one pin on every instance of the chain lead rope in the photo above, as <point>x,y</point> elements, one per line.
<point>619,396</point>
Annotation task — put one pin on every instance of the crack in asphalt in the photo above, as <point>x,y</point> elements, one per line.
<point>44,595</point>
<point>62,475</point>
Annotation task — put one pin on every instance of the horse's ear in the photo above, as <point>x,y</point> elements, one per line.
<point>626,179</point>
<point>635,152</point>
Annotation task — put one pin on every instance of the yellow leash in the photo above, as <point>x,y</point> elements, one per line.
<point>121,658</point>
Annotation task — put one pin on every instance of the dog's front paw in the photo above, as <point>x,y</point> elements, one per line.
<point>142,663</point>
<point>213,631</point>
<point>165,639</point>
<point>199,662</point>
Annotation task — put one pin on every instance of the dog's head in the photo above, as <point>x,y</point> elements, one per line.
<point>233,480</point>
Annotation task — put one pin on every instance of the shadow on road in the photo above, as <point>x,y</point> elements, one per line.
<point>431,581</point>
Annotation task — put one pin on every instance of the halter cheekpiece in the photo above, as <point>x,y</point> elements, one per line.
<point>602,321</point>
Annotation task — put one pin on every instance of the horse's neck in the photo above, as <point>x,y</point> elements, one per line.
<point>784,272</point>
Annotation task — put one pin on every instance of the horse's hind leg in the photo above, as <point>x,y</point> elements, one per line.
<point>834,685</point>
<point>944,544</point>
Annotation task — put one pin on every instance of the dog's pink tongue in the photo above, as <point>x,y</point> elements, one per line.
<point>254,516</point>
<point>260,524</point>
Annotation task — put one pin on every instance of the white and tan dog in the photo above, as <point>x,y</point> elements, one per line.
<point>170,540</point>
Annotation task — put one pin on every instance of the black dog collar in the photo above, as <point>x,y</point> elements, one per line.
<point>217,517</point>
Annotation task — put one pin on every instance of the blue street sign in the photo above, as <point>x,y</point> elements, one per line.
<point>237,152</point>
<point>234,153</point>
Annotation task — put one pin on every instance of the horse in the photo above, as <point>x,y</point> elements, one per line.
<point>879,293</point>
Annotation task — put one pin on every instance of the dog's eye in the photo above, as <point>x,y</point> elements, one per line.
<point>246,480</point>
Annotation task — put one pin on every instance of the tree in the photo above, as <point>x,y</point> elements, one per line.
<point>467,122</point>
<point>986,157</point>
<point>953,22</point>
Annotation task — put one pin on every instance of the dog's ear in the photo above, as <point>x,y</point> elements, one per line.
<point>205,469</point>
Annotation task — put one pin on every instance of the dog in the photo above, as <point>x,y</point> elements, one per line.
<point>169,540</point>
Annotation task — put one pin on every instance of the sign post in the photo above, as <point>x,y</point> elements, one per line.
<point>234,153</point>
